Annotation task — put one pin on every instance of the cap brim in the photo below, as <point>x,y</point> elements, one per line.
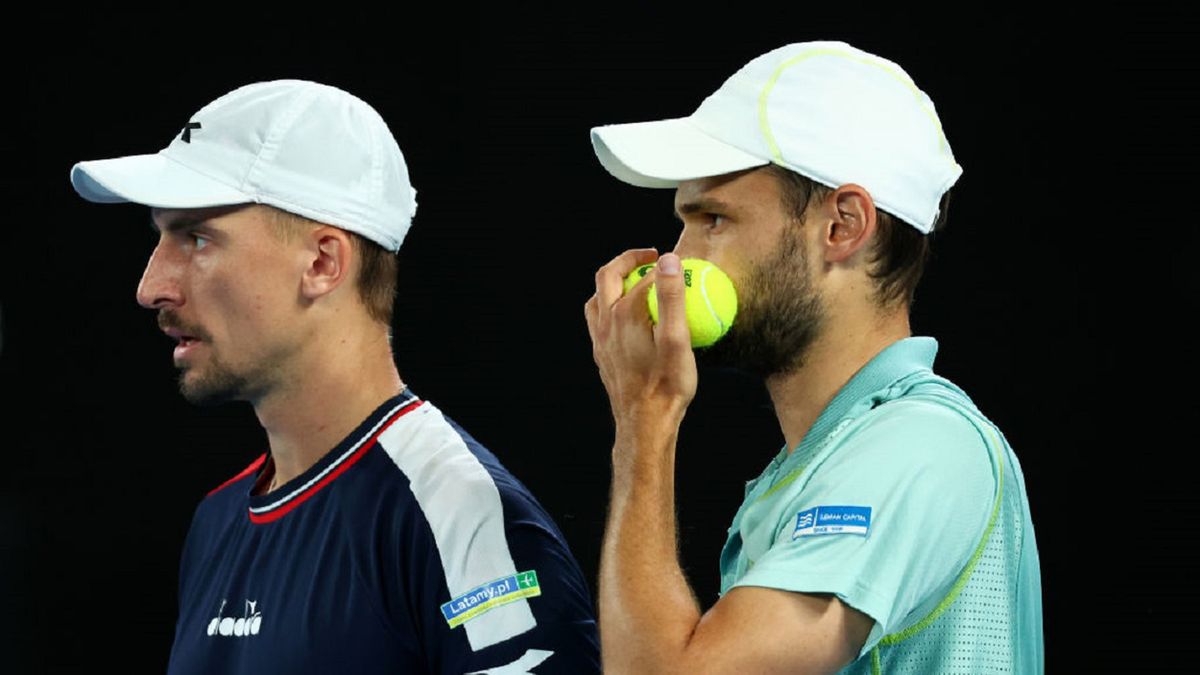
<point>661,154</point>
<point>153,180</point>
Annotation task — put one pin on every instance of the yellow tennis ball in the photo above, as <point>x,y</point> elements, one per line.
<point>709,295</point>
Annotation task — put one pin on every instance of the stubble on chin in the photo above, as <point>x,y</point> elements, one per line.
<point>219,385</point>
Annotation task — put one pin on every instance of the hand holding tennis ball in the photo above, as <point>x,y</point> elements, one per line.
<point>711,301</point>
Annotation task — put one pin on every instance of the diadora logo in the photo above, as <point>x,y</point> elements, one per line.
<point>247,624</point>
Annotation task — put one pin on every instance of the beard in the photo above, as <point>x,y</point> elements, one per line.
<point>779,316</point>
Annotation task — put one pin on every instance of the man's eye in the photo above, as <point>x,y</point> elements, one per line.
<point>199,241</point>
<point>715,220</point>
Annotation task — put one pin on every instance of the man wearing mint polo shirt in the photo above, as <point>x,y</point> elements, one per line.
<point>856,510</point>
<point>892,533</point>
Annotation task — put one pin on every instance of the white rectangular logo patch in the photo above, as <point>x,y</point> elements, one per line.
<point>833,520</point>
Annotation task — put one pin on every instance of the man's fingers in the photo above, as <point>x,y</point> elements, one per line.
<point>610,279</point>
<point>672,330</point>
<point>634,302</point>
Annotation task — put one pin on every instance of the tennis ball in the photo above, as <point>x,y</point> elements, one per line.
<point>709,295</point>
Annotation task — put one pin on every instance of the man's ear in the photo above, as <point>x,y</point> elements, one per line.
<point>328,254</point>
<point>851,222</point>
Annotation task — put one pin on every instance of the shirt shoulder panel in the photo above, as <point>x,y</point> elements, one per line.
<point>498,570</point>
<point>924,472</point>
<point>461,503</point>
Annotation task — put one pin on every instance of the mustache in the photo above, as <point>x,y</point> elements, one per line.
<point>169,319</point>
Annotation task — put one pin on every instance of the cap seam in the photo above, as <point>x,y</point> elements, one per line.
<point>873,61</point>
<point>376,166</point>
<point>877,62</point>
<point>275,135</point>
<point>273,142</point>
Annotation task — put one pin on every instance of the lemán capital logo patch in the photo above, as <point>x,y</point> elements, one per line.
<point>490,596</point>
<point>833,520</point>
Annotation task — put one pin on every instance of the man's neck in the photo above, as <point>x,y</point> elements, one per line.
<point>800,396</point>
<point>340,383</point>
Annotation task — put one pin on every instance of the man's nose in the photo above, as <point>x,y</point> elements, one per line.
<point>690,244</point>
<point>160,287</point>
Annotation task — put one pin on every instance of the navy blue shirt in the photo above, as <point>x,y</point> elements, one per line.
<point>407,549</point>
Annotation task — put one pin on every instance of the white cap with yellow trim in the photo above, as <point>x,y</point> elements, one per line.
<point>826,110</point>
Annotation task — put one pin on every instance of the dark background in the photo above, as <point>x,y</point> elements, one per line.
<point>1058,292</point>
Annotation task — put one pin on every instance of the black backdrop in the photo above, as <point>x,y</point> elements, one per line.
<point>1050,291</point>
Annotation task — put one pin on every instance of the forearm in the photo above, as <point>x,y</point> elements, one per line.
<point>647,610</point>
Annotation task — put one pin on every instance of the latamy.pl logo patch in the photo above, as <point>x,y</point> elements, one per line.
<point>833,520</point>
<point>490,596</point>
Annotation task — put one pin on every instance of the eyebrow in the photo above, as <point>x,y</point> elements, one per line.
<point>701,205</point>
<point>179,223</point>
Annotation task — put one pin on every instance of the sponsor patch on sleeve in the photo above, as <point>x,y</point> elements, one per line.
<point>832,520</point>
<point>490,596</point>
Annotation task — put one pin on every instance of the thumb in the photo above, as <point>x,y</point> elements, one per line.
<point>672,303</point>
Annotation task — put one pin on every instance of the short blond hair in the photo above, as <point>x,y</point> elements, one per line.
<point>377,266</point>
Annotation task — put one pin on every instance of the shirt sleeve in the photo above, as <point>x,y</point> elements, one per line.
<point>925,473</point>
<point>540,616</point>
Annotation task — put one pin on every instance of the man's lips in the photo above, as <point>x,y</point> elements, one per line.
<point>185,346</point>
<point>185,342</point>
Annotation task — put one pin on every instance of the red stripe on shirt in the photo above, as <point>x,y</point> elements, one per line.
<point>254,466</point>
<point>281,511</point>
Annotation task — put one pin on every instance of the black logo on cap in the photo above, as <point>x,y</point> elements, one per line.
<point>187,131</point>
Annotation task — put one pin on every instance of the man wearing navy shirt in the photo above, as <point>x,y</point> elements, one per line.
<point>374,535</point>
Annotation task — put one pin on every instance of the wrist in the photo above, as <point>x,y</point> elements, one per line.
<point>650,419</point>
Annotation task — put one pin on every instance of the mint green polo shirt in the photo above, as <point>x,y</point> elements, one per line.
<point>909,505</point>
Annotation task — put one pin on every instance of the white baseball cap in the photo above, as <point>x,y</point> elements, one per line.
<point>307,148</point>
<point>826,110</point>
